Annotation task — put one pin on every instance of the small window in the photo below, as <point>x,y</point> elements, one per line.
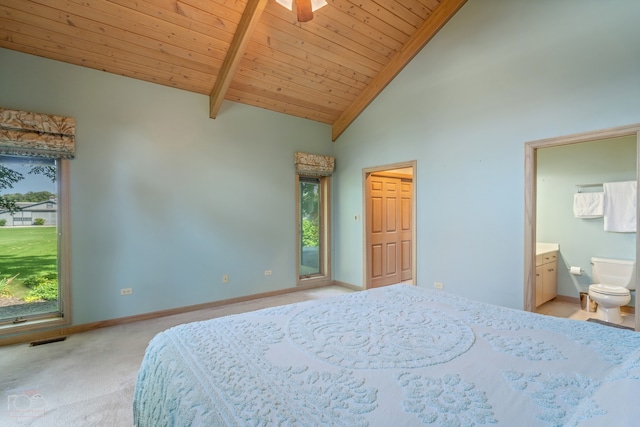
<point>313,229</point>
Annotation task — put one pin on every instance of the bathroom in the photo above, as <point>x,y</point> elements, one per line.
<point>560,171</point>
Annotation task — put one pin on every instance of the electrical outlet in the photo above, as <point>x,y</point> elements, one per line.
<point>126,291</point>
<point>267,272</point>
<point>225,278</point>
<point>438,285</point>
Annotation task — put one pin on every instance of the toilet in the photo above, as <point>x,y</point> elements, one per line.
<point>613,281</point>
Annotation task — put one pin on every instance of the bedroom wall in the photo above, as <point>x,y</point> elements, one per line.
<point>165,200</point>
<point>559,169</point>
<point>499,74</point>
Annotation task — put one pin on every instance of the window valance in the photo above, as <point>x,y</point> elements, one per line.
<point>314,164</point>
<point>33,134</point>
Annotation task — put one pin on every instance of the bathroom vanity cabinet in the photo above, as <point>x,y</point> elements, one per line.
<point>546,277</point>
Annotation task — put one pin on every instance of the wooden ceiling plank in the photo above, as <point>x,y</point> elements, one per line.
<point>264,45</point>
<point>257,100</point>
<point>74,60</point>
<point>51,50</point>
<point>431,4</point>
<point>231,11</point>
<point>417,7</point>
<point>291,89</point>
<point>133,58</point>
<point>431,26</point>
<point>323,26</point>
<point>318,54</point>
<point>325,50</point>
<point>336,71</point>
<point>346,20</point>
<point>208,5</point>
<point>137,23</point>
<point>250,19</point>
<point>105,35</point>
<point>386,16</point>
<point>318,86</point>
<point>311,32</point>
<point>265,53</point>
<point>370,19</point>
<point>290,96</point>
<point>398,10</point>
<point>301,76</point>
<point>326,70</point>
<point>220,26</point>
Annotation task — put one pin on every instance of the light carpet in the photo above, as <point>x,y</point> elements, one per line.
<point>88,379</point>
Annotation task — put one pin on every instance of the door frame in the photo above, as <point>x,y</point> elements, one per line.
<point>413,164</point>
<point>530,194</point>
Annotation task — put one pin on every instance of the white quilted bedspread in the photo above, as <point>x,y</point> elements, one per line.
<point>394,356</point>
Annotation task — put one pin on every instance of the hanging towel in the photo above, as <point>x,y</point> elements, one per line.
<point>588,205</point>
<point>620,200</point>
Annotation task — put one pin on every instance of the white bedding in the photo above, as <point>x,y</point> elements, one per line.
<point>394,356</point>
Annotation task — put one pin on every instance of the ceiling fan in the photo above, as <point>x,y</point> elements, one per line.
<point>304,8</point>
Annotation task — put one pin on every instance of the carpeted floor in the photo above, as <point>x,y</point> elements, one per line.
<point>88,379</point>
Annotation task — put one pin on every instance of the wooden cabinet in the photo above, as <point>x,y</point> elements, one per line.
<point>546,277</point>
<point>538,285</point>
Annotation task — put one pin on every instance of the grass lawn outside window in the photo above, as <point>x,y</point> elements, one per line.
<point>28,271</point>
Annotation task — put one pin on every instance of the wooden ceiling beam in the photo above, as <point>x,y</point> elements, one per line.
<point>420,38</point>
<point>241,38</point>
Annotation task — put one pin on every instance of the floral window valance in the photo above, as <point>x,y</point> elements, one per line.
<point>34,134</point>
<point>314,164</point>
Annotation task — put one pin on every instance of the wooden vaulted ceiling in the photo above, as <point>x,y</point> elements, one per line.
<point>249,51</point>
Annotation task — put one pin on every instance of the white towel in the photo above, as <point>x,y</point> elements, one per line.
<point>620,200</point>
<point>588,205</point>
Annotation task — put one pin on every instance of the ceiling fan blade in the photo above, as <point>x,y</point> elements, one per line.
<point>303,9</point>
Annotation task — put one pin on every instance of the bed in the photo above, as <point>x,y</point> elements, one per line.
<point>394,356</point>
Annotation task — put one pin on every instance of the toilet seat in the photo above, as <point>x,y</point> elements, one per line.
<point>612,290</point>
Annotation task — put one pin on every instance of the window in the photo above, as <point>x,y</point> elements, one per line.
<point>34,264</point>
<point>313,229</point>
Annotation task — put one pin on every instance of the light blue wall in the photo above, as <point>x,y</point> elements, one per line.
<point>499,74</point>
<point>559,169</point>
<point>165,200</point>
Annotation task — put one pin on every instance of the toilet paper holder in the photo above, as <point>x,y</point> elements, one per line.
<point>576,270</point>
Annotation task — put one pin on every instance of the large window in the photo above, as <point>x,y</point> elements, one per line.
<point>313,229</point>
<point>34,273</point>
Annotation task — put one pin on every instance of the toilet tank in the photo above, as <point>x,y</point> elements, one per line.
<point>617,272</point>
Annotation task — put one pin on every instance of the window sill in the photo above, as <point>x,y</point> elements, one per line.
<point>315,280</point>
<point>34,325</point>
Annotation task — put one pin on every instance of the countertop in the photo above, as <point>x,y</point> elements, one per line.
<point>545,248</point>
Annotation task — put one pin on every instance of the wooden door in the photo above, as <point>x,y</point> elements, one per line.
<point>389,208</point>
<point>406,209</point>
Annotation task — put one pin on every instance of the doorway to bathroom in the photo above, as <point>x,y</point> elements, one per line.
<point>389,224</point>
<point>555,169</point>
